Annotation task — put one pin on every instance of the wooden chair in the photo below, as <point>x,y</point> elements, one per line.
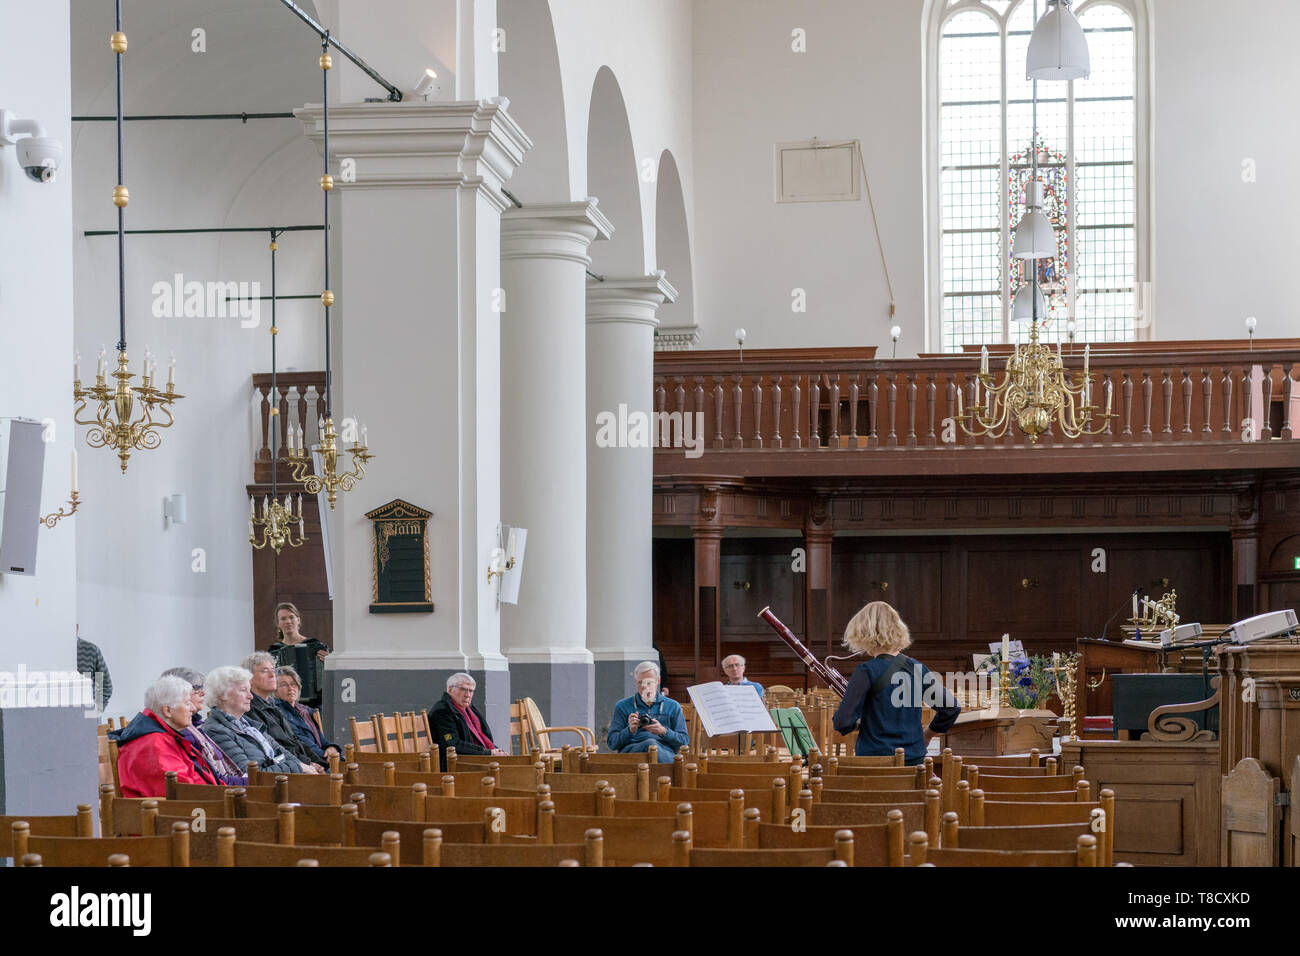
<point>203,842</point>
<point>80,824</point>
<point>396,735</point>
<point>172,850</point>
<point>121,816</point>
<point>428,757</point>
<point>233,852</point>
<point>846,761</point>
<point>873,844</point>
<point>539,734</point>
<point>919,853</point>
<point>1099,815</point>
<point>686,854</point>
<point>999,783</point>
<point>305,823</point>
<point>867,814</point>
<point>714,824</point>
<point>320,789</point>
<point>1054,836</point>
<point>623,841</point>
<point>365,736</point>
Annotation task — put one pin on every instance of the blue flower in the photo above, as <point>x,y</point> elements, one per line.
<point>1026,682</point>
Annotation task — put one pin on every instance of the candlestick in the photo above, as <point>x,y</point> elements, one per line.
<point>1006,646</point>
<point>363,436</point>
<point>960,388</point>
<point>74,471</point>
<point>1087,350</point>
<point>171,374</point>
<point>984,359</point>
<point>102,367</point>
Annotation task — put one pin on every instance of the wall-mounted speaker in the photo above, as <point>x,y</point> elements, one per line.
<point>22,466</point>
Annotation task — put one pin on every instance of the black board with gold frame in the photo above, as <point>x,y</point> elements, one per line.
<point>400,575</point>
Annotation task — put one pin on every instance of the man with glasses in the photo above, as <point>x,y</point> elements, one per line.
<point>458,723</point>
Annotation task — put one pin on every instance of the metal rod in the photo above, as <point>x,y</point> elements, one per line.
<point>268,298</point>
<point>275,394</point>
<point>243,117</point>
<point>394,93</point>
<point>121,222</point>
<point>173,232</point>
<point>325,111</point>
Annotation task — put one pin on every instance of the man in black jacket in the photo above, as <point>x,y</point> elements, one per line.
<point>458,723</point>
<point>267,716</point>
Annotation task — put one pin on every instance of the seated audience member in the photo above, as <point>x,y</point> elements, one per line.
<point>269,718</point>
<point>647,717</point>
<point>226,769</point>
<point>152,743</point>
<point>885,694</point>
<point>288,687</point>
<point>458,723</point>
<point>229,698</point>
<point>734,668</point>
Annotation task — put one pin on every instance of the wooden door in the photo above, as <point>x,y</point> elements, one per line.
<point>1250,817</point>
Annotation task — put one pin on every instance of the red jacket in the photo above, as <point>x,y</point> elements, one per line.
<point>147,748</point>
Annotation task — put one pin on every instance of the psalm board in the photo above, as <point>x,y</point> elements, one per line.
<point>400,576</point>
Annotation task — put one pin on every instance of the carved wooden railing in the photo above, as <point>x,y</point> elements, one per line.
<point>300,400</point>
<point>1182,397</point>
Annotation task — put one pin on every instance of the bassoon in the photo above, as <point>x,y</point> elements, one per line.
<point>833,678</point>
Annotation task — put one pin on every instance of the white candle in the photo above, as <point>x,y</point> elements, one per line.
<point>74,471</point>
<point>1087,352</point>
<point>1056,661</point>
<point>301,527</point>
<point>1135,605</point>
<point>1006,646</point>
<point>984,359</point>
<point>286,505</point>
<point>252,507</point>
<point>76,366</point>
<point>302,448</point>
<point>103,364</point>
<point>959,391</point>
<point>363,437</point>
<point>171,373</point>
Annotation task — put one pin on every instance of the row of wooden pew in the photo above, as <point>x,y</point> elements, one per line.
<point>712,811</point>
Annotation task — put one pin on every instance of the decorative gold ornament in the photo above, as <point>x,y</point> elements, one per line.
<point>326,61</point>
<point>274,526</point>
<point>327,298</point>
<point>327,182</point>
<point>51,520</point>
<point>124,419</point>
<point>121,196</point>
<point>274,245</point>
<point>1156,616</point>
<point>300,462</point>
<point>117,42</point>
<point>1035,392</point>
<point>1067,679</point>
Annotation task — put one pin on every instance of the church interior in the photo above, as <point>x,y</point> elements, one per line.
<point>959,309</point>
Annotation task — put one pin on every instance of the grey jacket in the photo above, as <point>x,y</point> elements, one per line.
<point>236,740</point>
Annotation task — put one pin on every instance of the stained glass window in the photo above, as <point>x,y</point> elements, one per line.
<point>1087,142</point>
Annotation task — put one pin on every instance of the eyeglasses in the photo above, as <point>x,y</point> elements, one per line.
<point>468,690</point>
<point>196,688</point>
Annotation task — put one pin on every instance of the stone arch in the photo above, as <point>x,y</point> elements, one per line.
<point>614,178</point>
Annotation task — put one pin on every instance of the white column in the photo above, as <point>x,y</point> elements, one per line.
<point>417,359</point>
<point>544,255</point>
<point>621,320</point>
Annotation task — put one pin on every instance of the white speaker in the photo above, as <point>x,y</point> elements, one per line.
<point>22,466</point>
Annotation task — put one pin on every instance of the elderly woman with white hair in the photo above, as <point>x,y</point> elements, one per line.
<point>647,717</point>
<point>458,723</point>
<point>152,744</point>
<point>229,697</point>
<point>227,772</point>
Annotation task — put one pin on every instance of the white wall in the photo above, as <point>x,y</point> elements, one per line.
<point>38,613</point>
<point>1226,80</point>
<point>141,599</point>
<point>1224,83</point>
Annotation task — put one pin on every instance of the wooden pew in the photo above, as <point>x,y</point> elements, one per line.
<point>80,824</point>
<point>232,852</point>
<point>919,853</point>
<point>171,850</point>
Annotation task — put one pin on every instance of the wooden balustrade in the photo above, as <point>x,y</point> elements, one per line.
<point>300,401</point>
<point>1178,397</point>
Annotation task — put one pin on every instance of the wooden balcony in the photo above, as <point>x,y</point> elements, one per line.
<point>835,412</point>
<point>299,401</point>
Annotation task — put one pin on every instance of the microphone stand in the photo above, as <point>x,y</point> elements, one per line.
<point>1106,626</point>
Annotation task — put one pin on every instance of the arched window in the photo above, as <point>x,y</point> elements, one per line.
<point>1092,156</point>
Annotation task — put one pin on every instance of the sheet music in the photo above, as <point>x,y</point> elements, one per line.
<point>730,709</point>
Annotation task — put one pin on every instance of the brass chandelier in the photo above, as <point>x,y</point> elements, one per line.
<point>1036,389</point>
<point>300,460</point>
<point>124,418</point>
<point>276,522</point>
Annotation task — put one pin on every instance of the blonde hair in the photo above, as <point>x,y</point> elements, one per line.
<point>877,629</point>
<point>286,606</point>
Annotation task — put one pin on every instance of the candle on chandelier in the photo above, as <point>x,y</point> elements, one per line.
<point>363,437</point>
<point>252,509</point>
<point>302,530</point>
<point>1135,605</point>
<point>959,391</point>
<point>144,363</point>
<point>102,367</point>
<point>76,366</point>
<point>74,471</point>
<point>1087,351</point>
<point>171,374</point>
<point>984,359</point>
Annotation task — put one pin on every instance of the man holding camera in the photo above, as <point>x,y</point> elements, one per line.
<point>647,717</point>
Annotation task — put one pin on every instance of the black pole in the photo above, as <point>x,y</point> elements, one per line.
<point>325,111</point>
<point>394,93</point>
<point>243,117</point>
<point>275,394</point>
<point>121,222</point>
<point>178,232</point>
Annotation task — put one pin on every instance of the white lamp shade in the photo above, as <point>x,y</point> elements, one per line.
<point>1022,306</point>
<point>1058,50</point>
<point>1034,237</point>
<point>1034,194</point>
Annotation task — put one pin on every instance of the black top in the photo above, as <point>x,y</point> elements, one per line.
<point>302,658</point>
<point>269,719</point>
<point>892,718</point>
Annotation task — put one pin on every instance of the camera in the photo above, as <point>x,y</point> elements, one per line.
<point>39,157</point>
<point>37,154</point>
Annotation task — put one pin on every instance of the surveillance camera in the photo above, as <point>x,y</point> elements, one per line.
<point>39,157</point>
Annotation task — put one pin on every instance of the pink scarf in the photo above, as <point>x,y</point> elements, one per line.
<point>476,729</point>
